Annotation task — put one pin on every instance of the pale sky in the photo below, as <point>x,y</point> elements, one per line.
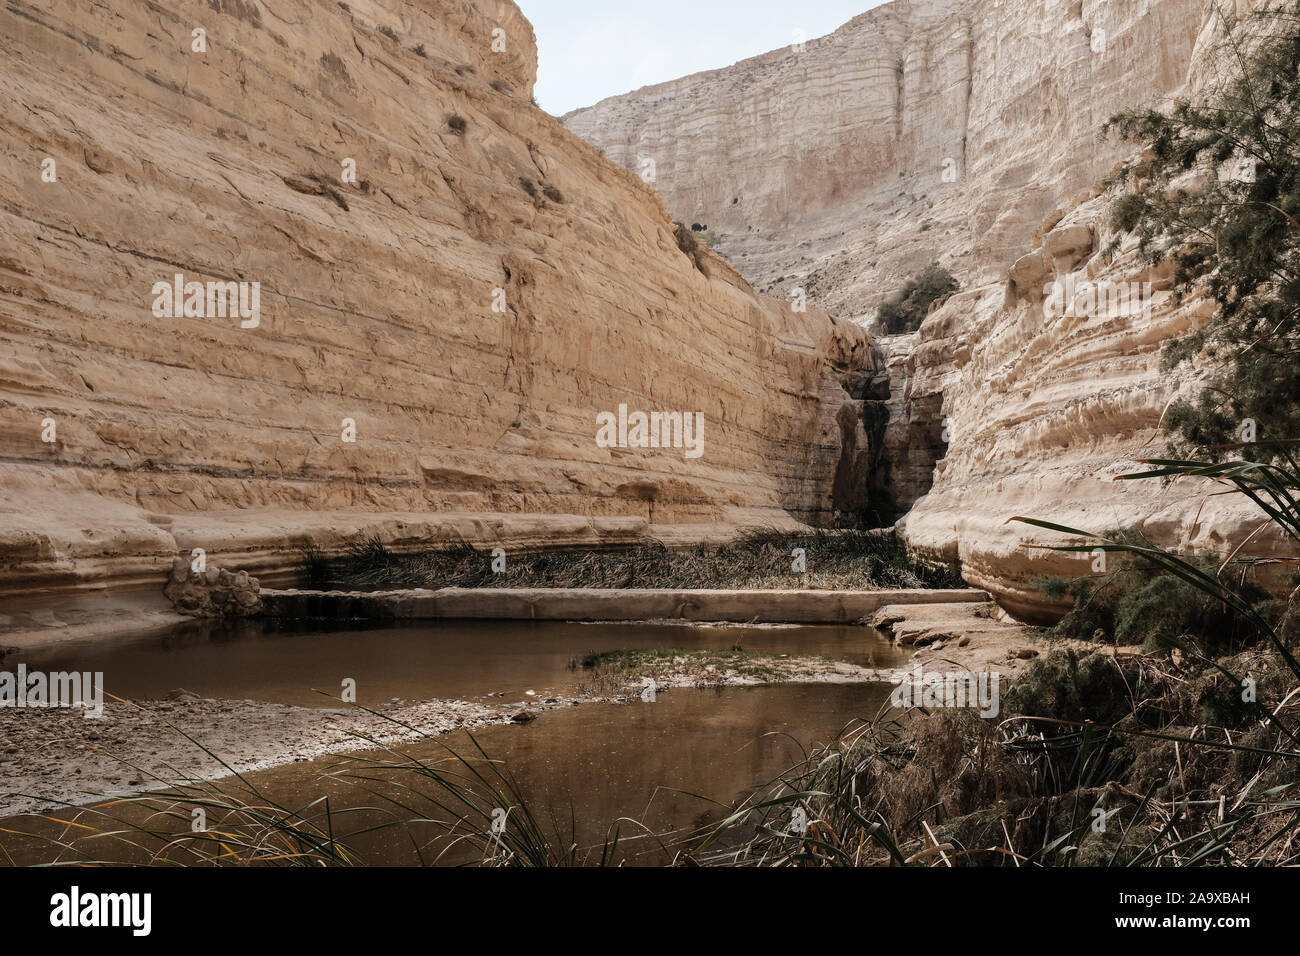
<point>591,49</point>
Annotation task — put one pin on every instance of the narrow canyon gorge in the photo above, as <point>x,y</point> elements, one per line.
<point>439,334</point>
<point>721,474</point>
<point>968,133</point>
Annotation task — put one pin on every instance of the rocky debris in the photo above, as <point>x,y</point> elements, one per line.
<point>921,625</point>
<point>980,636</point>
<point>213,592</point>
<point>887,618</point>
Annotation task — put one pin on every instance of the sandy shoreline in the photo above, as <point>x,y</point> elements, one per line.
<point>55,757</point>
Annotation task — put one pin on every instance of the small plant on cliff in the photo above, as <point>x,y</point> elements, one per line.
<point>457,124</point>
<point>687,242</point>
<point>1217,193</point>
<point>907,309</point>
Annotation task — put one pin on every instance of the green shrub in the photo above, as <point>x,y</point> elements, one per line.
<point>1061,686</point>
<point>1235,236</point>
<point>687,242</point>
<point>906,310</point>
<point>1137,604</point>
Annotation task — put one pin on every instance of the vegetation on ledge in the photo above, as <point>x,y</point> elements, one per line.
<point>907,309</point>
<point>1217,194</point>
<point>757,559</point>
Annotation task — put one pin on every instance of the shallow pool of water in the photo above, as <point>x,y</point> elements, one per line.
<point>667,768</point>
<point>452,660</point>
<point>670,765</point>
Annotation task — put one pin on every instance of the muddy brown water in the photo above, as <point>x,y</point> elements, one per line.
<point>668,767</point>
<point>461,660</point>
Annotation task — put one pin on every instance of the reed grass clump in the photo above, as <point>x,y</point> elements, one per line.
<point>1080,738</point>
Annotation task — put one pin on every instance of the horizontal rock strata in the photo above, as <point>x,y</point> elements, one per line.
<point>1048,387</point>
<point>464,309</point>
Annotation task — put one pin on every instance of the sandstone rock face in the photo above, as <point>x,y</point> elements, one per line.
<point>1048,386</point>
<point>464,309</point>
<point>919,131</point>
<point>1047,395</point>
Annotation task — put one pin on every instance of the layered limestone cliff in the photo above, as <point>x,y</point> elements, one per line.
<point>921,130</point>
<point>424,347</point>
<point>1030,391</point>
<point>1048,387</point>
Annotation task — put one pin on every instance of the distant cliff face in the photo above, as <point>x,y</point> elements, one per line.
<point>419,351</point>
<point>936,129</point>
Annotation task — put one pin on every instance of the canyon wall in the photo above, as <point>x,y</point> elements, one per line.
<point>1047,386</point>
<point>1009,401</point>
<point>464,309</point>
<point>1044,401</point>
<point>921,130</point>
